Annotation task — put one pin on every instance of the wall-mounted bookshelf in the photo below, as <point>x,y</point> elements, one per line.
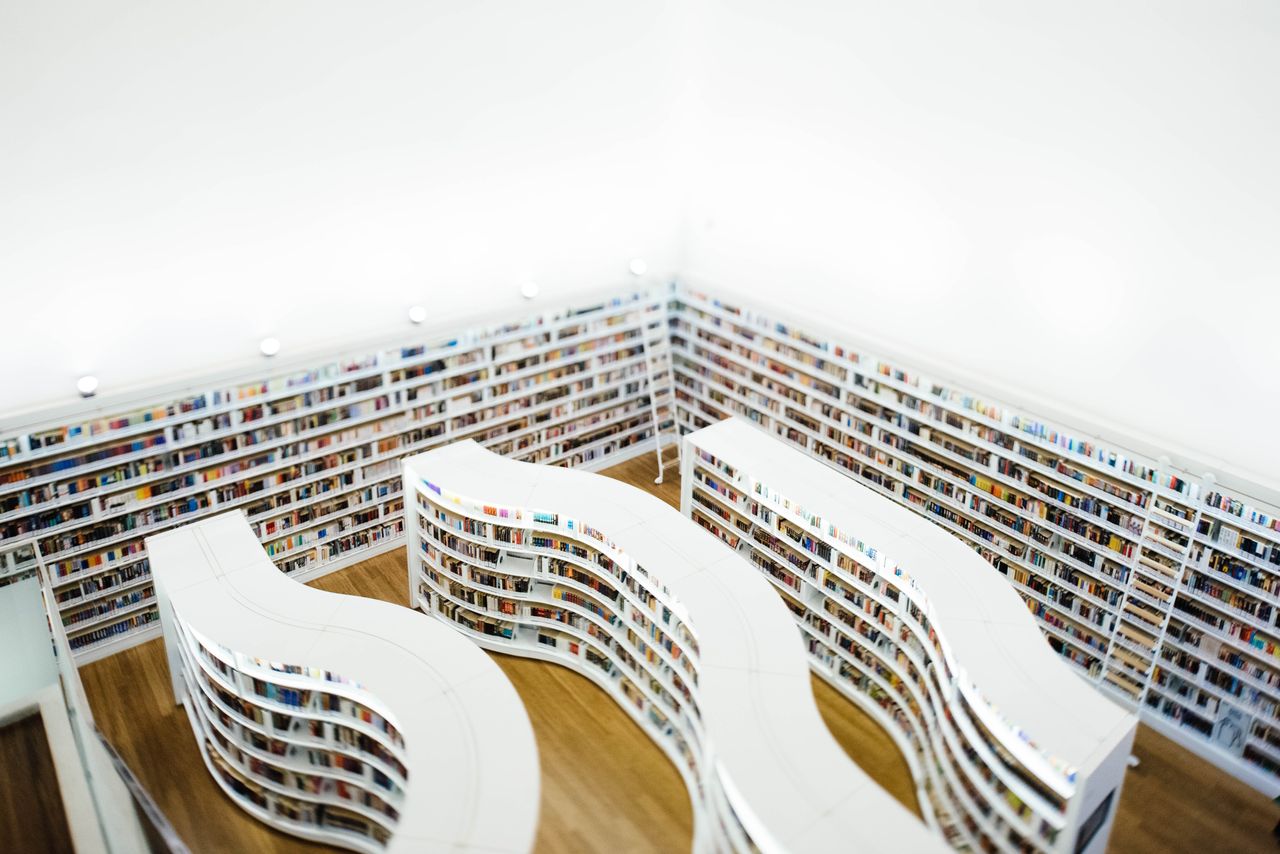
<point>310,453</point>
<point>339,719</point>
<point>1008,751</point>
<point>1158,586</point>
<point>592,574</point>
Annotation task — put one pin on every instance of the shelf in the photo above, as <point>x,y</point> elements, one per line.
<point>861,415</point>
<point>897,602</point>
<point>687,640</point>
<point>276,675</point>
<point>341,422</point>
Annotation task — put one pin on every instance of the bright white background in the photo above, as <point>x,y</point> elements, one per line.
<point>180,178</point>
<point>1080,201</point>
<point>1076,203</point>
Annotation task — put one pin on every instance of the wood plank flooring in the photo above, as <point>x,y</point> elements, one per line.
<point>31,815</point>
<point>1176,801</point>
<point>594,759</point>
<point>133,705</point>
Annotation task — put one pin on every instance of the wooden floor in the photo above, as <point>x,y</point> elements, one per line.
<point>31,816</point>
<point>595,759</point>
<point>133,706</point>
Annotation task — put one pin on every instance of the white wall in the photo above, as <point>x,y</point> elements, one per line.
<point>178,179</point>
<point>1080,201</point>
<point>1073,201</point>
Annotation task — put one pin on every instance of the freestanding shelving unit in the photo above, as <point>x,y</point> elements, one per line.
<point>1159,586</point>
<point>310,451</point>
<point>592,574</point>
<point>340,719</point>
<point>1008,752</point>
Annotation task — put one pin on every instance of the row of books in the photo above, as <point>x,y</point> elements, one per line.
<point>132,512</point>
<point>643,678</point>
<point>978,528</point>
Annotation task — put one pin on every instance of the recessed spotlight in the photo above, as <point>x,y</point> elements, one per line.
<point>417,313</point>
<point>87,386</point>
<point>638,267</point>
<point>269,346</point>
<point>529,290</point>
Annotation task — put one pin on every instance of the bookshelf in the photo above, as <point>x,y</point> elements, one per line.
<point>1160,586</point>
<point>1009,753</point>
<point>310,451</point>
<point>589,573</point>
<point>1157,585</point>
<point>343,720</point>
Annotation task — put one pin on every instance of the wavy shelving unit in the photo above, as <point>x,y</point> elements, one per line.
<point>592,574</point>
<point>340,719</point>
<point>1010,753</point>
<point>1156,583</point>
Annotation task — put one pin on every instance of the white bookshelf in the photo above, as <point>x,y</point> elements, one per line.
<point>310,451</point>
<point>1182,624</point>
<point>1159,586</point>
<point>339,719</point>
<point>587,572</point>
<point>1009,752</point>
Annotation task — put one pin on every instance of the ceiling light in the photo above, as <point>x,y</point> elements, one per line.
<point>529,290</point>
<point>87,386</point>
<point>638,267</point>
<point>417,314</point>
<point>269,346</point>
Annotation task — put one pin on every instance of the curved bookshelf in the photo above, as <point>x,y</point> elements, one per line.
<point>1010,752</point>
<point>339,719</point>
<point>1156,583</point>
<point>597,576</point>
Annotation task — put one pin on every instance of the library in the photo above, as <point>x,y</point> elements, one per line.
<point>727,427</point>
